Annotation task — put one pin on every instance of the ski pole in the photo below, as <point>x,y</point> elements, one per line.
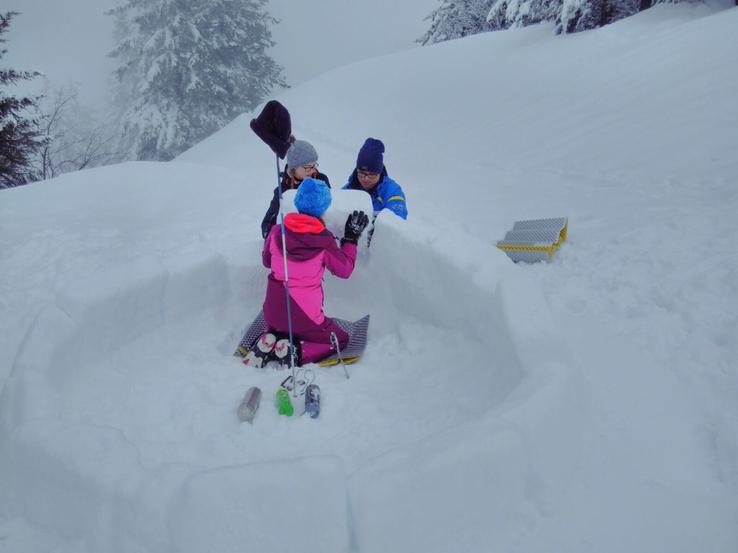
<point>286,281</point>
<point>334,341</point>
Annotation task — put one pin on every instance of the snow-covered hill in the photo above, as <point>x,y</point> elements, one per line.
<point>582,405</point>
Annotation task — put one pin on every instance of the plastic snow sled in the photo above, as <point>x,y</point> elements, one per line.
<point>535,239</point>
<point>357,331</point>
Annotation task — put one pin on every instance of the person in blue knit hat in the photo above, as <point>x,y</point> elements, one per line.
<point>371,176</point>
<point>314,198</point>
<point>311,249</point>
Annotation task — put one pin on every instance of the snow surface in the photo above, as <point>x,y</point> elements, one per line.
<point>587,404</point>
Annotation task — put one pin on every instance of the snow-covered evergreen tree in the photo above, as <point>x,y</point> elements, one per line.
<point>504,14</point>
<point>19,135</point>
<point>570,16</point>
<point>188,67</point>
<point>580,15</point>
<point>456,19</point>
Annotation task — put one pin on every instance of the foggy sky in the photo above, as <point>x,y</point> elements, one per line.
<point>68,41</point>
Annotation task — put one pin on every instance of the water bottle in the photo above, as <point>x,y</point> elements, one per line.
<point>249,405</point>
<point>284,403</point>
<point>312,400</point>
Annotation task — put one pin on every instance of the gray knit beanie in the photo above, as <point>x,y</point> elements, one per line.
<point>301,153</point>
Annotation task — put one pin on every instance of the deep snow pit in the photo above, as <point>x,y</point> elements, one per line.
<point>126,397</point>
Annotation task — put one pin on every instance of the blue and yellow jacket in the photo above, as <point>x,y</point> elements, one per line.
<point>387,194</point>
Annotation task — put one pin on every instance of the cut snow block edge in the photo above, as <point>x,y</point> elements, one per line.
<point>99,314</point>
<point>35,376</point>
<point>296,505</point>
<point>535,240</point>
<point>458,487</point>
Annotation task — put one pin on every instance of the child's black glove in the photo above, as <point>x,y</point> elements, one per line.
<point>355,225</point>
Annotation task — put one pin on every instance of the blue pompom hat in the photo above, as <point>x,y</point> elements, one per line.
<point>313,197</point>
<point>370,156</point>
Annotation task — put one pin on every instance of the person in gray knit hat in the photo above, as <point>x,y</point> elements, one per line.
<point>301,154</point>
<point>302,162</point>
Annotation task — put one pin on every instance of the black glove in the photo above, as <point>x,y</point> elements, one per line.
<point>355,225</point>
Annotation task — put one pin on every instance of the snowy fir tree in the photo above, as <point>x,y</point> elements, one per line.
<point>579,15</point>
<point>504,14</point>
<point>19,135</point>
<point>456,19</point>
<point>187,68</point>
<point>569,16</point>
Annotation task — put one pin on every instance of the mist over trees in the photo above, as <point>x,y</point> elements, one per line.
<point>459,18</point>
<point>20,139</point>
<point>74,137</point>
<point>187,68</point>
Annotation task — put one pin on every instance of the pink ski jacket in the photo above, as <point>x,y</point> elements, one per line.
<point>311,249</point>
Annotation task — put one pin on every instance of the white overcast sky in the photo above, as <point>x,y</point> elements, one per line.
<point>68,41</point>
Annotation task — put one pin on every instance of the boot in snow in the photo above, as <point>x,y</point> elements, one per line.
<point>262,352</point>
<point>282,353</point>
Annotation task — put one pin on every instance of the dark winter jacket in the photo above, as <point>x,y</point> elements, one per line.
<point>386,194</point>
<point>270,219</point>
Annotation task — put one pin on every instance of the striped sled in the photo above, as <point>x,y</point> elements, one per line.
<point>357,331</point>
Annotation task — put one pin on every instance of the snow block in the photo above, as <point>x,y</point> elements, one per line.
<point>554,393</point>
<point>536,335</point>
<point>111,308</point>
<point>298,505</point>
<point>50,330</point>
<point>459,490</point>
<point>343,203</point>
<point>195,284</point>
<point>30,392</point>
<point>71,489</point>
<point>534,240</point>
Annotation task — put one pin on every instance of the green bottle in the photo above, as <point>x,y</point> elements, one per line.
<point>284,403</point>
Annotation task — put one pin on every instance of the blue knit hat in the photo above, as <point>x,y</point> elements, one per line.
<point>313,197</point>
<point>370,156</point>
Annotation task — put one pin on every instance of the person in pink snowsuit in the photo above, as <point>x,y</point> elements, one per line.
<point>311,249</point>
